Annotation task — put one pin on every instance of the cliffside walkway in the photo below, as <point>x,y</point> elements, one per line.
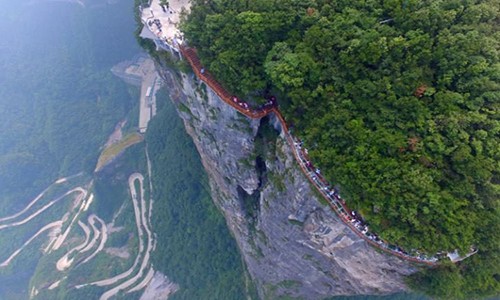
<point>336,203</point>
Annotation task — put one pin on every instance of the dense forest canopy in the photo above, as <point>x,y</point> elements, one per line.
<point>397,101</point>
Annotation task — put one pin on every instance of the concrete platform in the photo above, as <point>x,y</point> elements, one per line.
<point>164,24</point>
<point>150,79</point>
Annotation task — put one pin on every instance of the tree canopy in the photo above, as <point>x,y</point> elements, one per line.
<point>397,101</point>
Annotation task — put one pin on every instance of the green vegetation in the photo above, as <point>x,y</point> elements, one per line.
<point>195,248</point>
<point>398,102</point>
<point>111,196</point>
<point>400,296</point>
<point>58,100</point>
<point>115,149</point>
<point>164,57</point>
<point>111,183</point>
<point>58,103</point>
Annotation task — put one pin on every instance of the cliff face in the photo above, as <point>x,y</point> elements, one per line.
<point>292,243</point>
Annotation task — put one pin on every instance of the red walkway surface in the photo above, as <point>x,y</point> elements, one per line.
<point>335,202</point>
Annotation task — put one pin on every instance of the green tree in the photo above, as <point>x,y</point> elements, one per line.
<point>397,101</point>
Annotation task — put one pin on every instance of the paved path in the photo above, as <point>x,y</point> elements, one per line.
<point>42,209</point>
<point>104,237</point>
<point>142,213</point>
<point>335,202</point>
<point>64,262</point>
<point>44,228</point>
<point>141,220</point>
<point>97,235</point>
<point>144,282</point>
<point>147,103</point>
<point>168,19</point>
<point>37,198</point>
<point>81,199</point>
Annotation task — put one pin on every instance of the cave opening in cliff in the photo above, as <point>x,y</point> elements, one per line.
<point>260,167</point>
<point>265,139</point>
<point>265,148</point>
<point>250,203</point>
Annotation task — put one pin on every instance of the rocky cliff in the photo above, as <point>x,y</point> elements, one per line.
<point>292,243</point>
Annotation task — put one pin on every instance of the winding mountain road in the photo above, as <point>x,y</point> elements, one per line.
<point>57,240</point>
<point>64,262</point>
<point>95,237</point>
<point>40,210</point>
<point>142,215</point>
<point>104,237</point>
<point>44,228</point>
<point>38,197</point>
<point>81,199</point>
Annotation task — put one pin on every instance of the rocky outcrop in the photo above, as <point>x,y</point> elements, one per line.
<point>292,243</point>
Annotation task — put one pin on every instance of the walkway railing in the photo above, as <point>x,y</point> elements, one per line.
<point>335,202</point>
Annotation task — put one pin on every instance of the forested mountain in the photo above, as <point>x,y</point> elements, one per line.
<point>59,102</point>
<point>398,103</point>
<point>58,99</point>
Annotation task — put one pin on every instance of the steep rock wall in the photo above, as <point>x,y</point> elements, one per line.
<point>292,243</point>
